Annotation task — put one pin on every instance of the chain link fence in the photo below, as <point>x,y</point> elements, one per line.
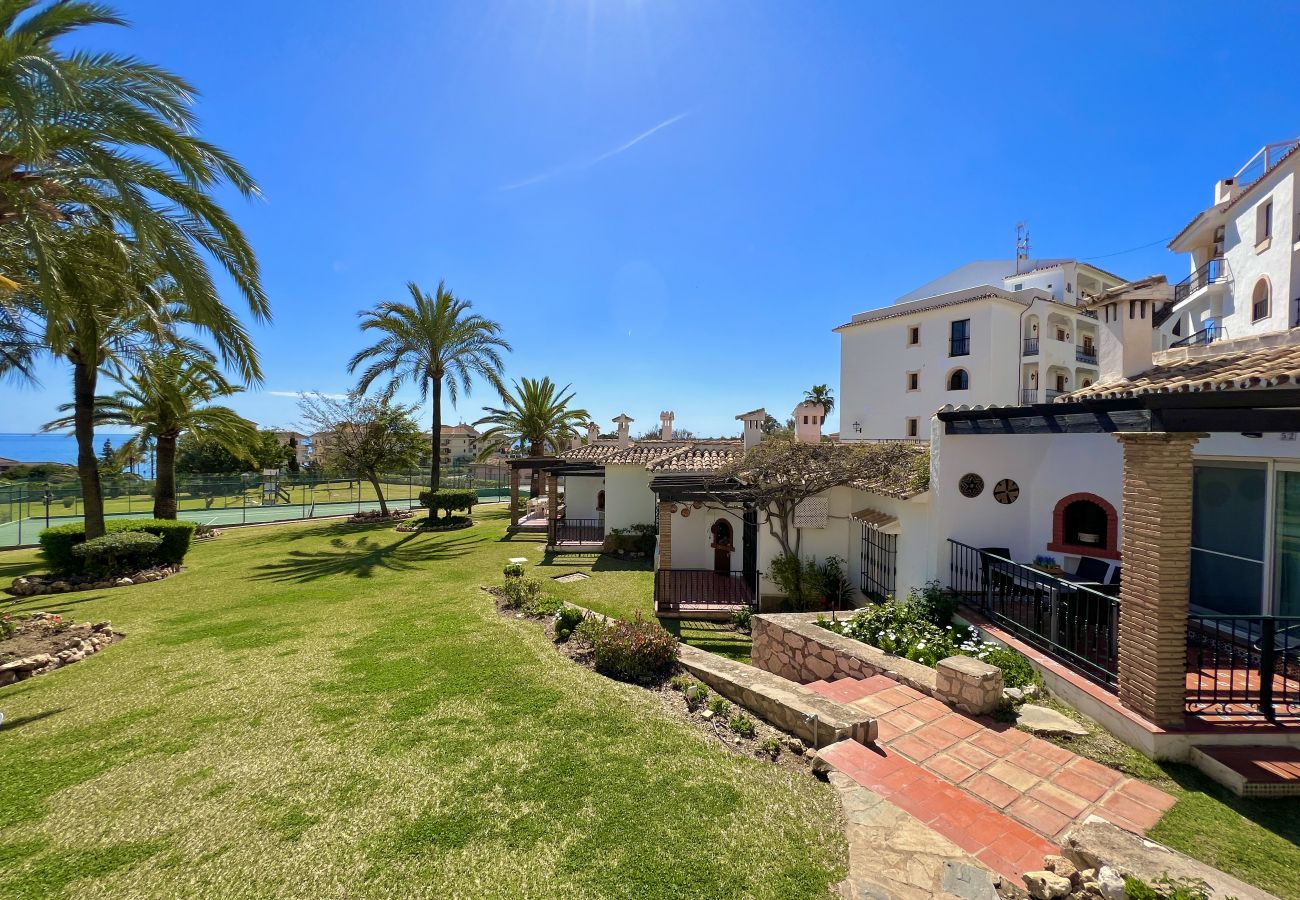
<point>29,507</point>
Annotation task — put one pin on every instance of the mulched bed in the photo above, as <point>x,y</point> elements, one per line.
<point>455,523</point>
<point>374,518</point>
<point>35,585</point>
<point>42,642</point>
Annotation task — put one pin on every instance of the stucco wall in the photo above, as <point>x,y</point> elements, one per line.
<point>580,496</point>
<point>628,498</point>
<point>691,538</point>
<point>1248,265</point>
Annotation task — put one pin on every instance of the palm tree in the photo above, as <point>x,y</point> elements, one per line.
<point>536,417</point>
<point>820,393</point>
<point>432,341</point>
<point>167,395</point>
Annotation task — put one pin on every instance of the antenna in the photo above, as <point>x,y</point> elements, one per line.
<point>1022,244</point>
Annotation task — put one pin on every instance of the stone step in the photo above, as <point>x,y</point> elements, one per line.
<point>996,840</point>
<point>1261,772</point>
<point>848,690</point>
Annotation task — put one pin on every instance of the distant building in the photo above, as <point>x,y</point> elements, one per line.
<point>299,442</point>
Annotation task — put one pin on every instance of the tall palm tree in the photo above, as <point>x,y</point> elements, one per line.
<point>820,393</point>
<point>169,394</point>
<point>433,341</point>
<point>536,417</point>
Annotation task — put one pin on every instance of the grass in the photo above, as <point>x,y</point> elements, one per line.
<point>1258,841</point>
<point>316,709</point>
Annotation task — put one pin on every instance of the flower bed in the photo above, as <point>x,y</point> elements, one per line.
<point>43,642</point>
<point>375,517</point>
<point>36,585</point>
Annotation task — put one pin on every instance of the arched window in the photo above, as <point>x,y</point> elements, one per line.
<point>959,380</point>
<point>1259,301</point>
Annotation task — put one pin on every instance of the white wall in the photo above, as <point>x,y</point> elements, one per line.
<point>1277,262</point>
<point>628,498</point>
<point>580,496</point>
<point>692,539</point>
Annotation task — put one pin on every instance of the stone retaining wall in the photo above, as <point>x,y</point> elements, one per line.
<point>794,646</point>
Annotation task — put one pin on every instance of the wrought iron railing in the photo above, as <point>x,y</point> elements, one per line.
<point>1077,624</point>
<point>1237,665</point>
<point>879,563</point>
<point>1085,353</point>
<point>959,346</point>
<point>1215,270</point>
<point>690,591</point>
<point>1207,335</point>
<point>1031,347</point>
<point>579,531</point>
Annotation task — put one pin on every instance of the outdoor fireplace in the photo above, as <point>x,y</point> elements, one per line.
<point>1086,525</point>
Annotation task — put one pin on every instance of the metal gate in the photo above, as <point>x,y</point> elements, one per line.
<point>879,563</point>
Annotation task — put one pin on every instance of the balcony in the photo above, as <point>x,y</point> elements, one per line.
<point>1213,272</point>
<point>702,593</point>
<point>1030,396</point>
<point>1207,335</point>
<point>1031,347</point>
<point>959,346</point>
<point>1086,353</point>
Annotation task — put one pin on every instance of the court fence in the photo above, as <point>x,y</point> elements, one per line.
<point>29,507</point>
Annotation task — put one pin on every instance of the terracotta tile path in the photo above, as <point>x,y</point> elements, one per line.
<point>998,792</point>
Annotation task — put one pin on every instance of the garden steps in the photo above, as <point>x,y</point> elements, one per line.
<point>1044,787</point>
<point>1252,771</point>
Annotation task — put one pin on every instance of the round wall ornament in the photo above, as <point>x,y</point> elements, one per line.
<point>971,485</point>
<point>686,511</point>
<point>1006,491</point>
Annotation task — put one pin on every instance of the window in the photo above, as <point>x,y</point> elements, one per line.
<point>913,381</point>
<point>1018,287</point>
<point>1259,301</point>
<point>959,380</point>
<point>959,339</point>
<point>913,427</point>
<point>1062,334</point>
<point>913,335</point>
<point>1264,222</point>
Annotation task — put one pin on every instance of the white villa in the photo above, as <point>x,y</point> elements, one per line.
<point>993,331</point>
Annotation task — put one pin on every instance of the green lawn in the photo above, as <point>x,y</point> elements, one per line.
<point>313,709</point>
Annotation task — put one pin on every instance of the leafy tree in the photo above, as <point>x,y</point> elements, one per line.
<point>654,434</point>
<point>536,418</point>
<point>197,455</point>
<point>432,341</point>
<point>368,435</point>
<point>772,426</point>
<point>106,452</point>
<point>820,393</point>
<point>170,394</point>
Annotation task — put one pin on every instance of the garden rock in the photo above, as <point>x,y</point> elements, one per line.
<point>1047,885</point>
<point>1061,866</point>
<point>1110,884</point>
<point>1041,720</point>
<point>1013,694</point>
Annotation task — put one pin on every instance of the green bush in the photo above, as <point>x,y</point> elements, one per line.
<point>808,584</point>
<point>1016,670</point>
<point>567,621</point>
<point>719,707</point>
<point>57,542</point>
<point>449,500</point>
<point>513,570</point>
<point>634,539</point>
<point>117,554</point>
<point>742,618</point>
<point>934,604</point>
<point>633,651</point>
<point>521,592</point>
<point>771,746</point>
<point>742,725</point>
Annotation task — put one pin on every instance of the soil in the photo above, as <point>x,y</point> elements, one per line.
<point>396,515</point>
<point>455,523</point>
<point>42,642</point>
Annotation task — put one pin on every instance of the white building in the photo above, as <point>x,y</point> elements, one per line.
<point>296,441</point>
<point>989,332</point>
<point>1243,253</point>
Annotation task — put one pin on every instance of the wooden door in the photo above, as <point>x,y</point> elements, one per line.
<point>723,545</point>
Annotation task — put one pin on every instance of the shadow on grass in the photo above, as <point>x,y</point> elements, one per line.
<point>596,562</point>
<point>713,637</point>
<point>54,603</point>
<point>14,724</point>
<point>361,557</point>
<point>1275,815</point>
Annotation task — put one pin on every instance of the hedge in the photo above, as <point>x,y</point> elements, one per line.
<point>449,500</point>
<point>120,553</point>
<point>57,542</point>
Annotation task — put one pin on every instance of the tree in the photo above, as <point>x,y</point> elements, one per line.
<point>654,434</point>
<point>368,435</point>
<point>432,341</point>
<point>106,454</point>
<point>169,394</point>
<point>772,426</point>
<point>536,418</point>
<point>820,393</point>
<point>780,473</point>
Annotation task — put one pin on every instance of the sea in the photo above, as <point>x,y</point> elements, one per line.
<point>56,448</point>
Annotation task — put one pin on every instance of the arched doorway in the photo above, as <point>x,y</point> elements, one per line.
<point>723,545</point>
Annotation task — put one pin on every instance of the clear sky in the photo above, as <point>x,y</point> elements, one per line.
<point>671,203</point>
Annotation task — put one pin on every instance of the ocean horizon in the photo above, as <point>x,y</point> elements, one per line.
<point>55,448</point>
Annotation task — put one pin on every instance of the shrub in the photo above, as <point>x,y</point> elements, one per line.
<point>590,630</point>
<point>1016,670</point>
<point>934,604</point>
<point>771,746</point>
<point>742,725</point>
<point>449,500</point>
<point>808,584</point>
<point>57,542</point>
<point>521,592</point>
<point>634,651</point>
<point>719,707</point>
<point>741,618</point>
<point>117,554</point>
<point>513,570</point>
<point>566,621</point>
<point>634,539</point>
<point>7,627</point>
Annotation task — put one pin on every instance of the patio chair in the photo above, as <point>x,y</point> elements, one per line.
<point>1091,571</point>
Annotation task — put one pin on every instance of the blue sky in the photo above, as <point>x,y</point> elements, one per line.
<point>670,204</point>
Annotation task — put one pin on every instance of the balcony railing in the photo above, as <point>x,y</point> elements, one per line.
<point>1031,347</point>
<point>959,346</point>
<point>1206,335</point>
<point>1237,665</point>
<point>702,592</point>
<point>1085,353</point>
<point>579,531</point>
<point>1214,271</point>
<point>1028,396</point>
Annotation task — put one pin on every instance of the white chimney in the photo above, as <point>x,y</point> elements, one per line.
<point>752,432</point>
<point>808,420</point>
<point>624,423</point>
<point>575,441</point>
<point>1126,337</point>
<point>666,425</point>
<point>1226,190</point>
<point>593,432</point>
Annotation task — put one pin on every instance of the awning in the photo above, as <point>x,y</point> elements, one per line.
<point>875,518</point>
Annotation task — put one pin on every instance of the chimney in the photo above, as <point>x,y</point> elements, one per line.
<point>593,432</point>
<point>624,423</point>
<point>1226,191</point>
<point>752,432</point>
<point>1125,335</point>
<point>666,425</point>
<point>575,441</point>
<point>808,420</point>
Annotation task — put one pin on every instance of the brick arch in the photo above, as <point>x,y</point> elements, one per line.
<point>1108,550</point>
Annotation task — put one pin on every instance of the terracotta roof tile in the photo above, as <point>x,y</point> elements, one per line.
<point>1258,367</point>
<point>700,456</point>
<point>643,453</point>
<point>591,452</point>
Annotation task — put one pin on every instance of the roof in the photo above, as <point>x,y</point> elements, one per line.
<point>974,274</point>
<point>462,428</point>
<point>752,413</point>
<point>953,299</point>
<point>700,456</point>
<point>6,461</point>
<point>875,518</point>
<point>591,452</point>
<point>1252,367</point>
<point>642,453</point>
<point>1227,205</point>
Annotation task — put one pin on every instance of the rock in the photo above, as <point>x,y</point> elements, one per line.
<point>706,715</point>
<point>1087,874</point>
<point>1061,866</point>
<point>1041,720</point>
<point>1111,884</point>
<point>1030,690</point>
<point>1013,694</point>
<point>795,745</point>
<point>102,626</point>
<point>1046,885</point>
<point>810,753</point>
<point>60,586</point>
<point>124,582</point>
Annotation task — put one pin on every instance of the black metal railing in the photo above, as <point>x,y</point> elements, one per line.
<point>879,563</point>
<point>1161,315</point>
<point>1085,353</point>
<point>1206,335</point>
<point>579,531</point>
<point>1215,270</point>
<point>1031,347</point>
<point>1237,665</point>
<point>693,591</point>
<point>1074,623</point>
<point>959,346</point>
